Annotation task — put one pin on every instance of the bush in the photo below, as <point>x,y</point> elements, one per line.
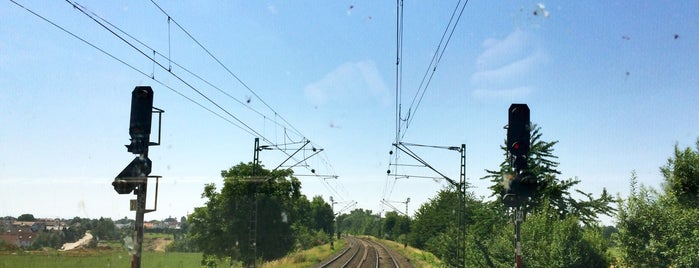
<point>548,241</point>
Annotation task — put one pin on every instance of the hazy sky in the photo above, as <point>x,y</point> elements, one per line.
<point>615,82</point>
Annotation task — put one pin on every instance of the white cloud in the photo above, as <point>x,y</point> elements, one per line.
<point>506,66</point>
<point>500,52</point>
<point>351,80</point>
<point>516,68</point>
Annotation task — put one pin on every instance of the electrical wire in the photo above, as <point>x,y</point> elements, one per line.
<point>225,67</point>
<point>170,61</point>
<point>170,18</point>
<point>124,63</point>
<point>78,7</point>
<point>245,127</point>
<point>401,130</point>
<point>432,67</point>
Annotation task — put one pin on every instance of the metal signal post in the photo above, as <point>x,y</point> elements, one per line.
<point>134,178</point>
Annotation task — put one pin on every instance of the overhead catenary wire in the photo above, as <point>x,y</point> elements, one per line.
<point>394,156</point>
<point>170,62</point>
<point>247,127</point>
<point>225,67</point>
<point>403,122</point>
<point>432,67</point>
<point>228,70</point>
<point>241,125</point>
<point>126,64</point>
<point>78,7</point>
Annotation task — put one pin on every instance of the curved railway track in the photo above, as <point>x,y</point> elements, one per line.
<point>363,252</point>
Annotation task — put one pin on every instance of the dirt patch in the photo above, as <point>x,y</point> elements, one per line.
<point>77,244</point>
<point>157,244</point>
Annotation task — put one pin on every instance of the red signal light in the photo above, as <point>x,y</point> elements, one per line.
<point>515,146</point>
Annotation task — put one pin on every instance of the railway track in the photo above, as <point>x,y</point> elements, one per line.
<point>363,252</point>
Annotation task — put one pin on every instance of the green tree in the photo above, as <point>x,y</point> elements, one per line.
<point>657,229</point>
<point>26,217</point>
<point>223,228</point>
<point>359,222</point>
<point>395,226</point>
<point>47,239</point>
<point>682,176</point>
<point>548,241</point>
<point>489,234</point>
<point>322,215</point>
<point>552,192</point>
<point>105,229</point>
<point>434,217</point>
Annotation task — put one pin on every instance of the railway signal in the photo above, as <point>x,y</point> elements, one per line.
<point>518,135</point>
<point>141,118</point>
<point>522,184</point>
<point>128,179</point>
<point>134,177</point>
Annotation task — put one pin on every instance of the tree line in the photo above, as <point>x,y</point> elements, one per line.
<point>654,228</point>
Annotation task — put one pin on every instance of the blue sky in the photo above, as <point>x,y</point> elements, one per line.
<point>614,82</point>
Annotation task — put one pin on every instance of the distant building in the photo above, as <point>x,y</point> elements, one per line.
<point>24,233</point>
<point>19,235</point>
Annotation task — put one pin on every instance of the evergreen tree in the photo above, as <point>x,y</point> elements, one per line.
<point>552,192</point>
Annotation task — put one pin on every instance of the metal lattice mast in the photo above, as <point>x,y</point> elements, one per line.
<point>461,241</point>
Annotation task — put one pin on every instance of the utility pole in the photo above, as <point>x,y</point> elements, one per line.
<point>134,178</point>
<point>460,188</point>
<point>332,206</point>
<point>252,262</point>
<point>461,243</point>
<point>405,242</point>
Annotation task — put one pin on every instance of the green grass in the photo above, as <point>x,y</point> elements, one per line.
<point>95,258</point>
<point>156,235</point>
<point>418,258</point>
<point>307,258</point>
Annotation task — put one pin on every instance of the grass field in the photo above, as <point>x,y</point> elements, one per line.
<point>116,256</point>
<point>94,258</point>
<point>108,254</point>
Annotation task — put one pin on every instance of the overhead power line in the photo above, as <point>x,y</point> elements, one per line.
<point>432,67</point>
<point>405,117</point>
<point>225,67</point>
<point>125,63</point>
<point>237,78</point>
<point>228,70</point>
<point>102,22</point>
<point>170,62</point>
<point>82,10</point>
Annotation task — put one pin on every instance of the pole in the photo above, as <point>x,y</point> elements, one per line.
<point>332,207</point>
<point>519,217</point>
<point>140,211</point>
<point>253,215</point>
<point>138,228</point>
<point>405,241</point>
<point>461,240</point>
